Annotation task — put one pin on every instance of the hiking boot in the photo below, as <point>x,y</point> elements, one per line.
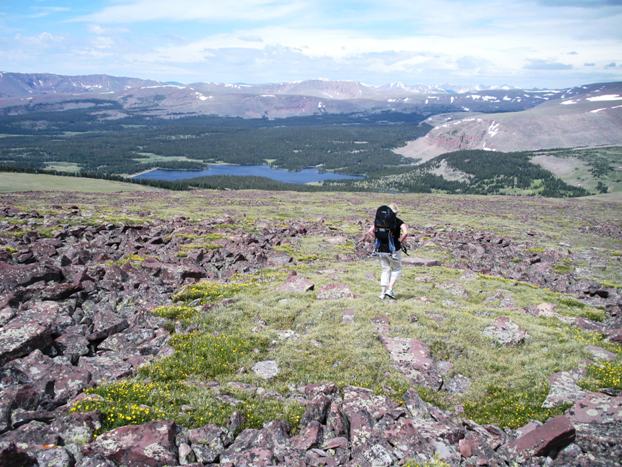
<point>390,294</point>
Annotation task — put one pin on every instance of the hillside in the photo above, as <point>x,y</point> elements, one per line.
<point>15,182</point>
<point>581,117</point>
<point>553,173</point>
<point>244,328</point>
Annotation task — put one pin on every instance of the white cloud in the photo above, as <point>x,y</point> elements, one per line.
<point>43,39</point>
<point>102,42</point>
<point>192,10</point>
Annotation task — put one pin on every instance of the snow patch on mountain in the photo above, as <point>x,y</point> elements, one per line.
<point>605,97</point>
<point>493,129</point>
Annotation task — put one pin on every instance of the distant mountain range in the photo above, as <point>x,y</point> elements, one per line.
<point>21,92</point>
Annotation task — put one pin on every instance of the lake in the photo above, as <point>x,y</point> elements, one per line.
<point>281,175</point>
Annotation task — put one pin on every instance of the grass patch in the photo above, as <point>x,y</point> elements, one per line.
<point>132,259</point>
<point>565,266</point>
<point>512,407</point>
<point>206,356</point>
<point>176,312</point>
<point>139,401</point>
<point>603,375</point>
<point>208,291</point>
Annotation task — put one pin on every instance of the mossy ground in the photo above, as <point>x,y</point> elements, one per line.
<point>248,319</point>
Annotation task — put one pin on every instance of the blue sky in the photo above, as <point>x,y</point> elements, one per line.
<point>526,43</point>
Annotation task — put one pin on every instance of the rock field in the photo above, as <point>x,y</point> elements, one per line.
<point>75,307</point>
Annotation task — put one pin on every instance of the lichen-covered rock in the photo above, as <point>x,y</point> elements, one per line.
<point>106,323</point>
<point>563,388</point>
<point>29,330</point>
<point>207,443</point>
<point>58,378</point>
<point>104,368</point>
<point>412,358</point>
<point>20,275</point>
<point>150,444</point>
<point>505,332</point>
<point>267,369</point>
<point>334,292</point>
<point>597,408</point>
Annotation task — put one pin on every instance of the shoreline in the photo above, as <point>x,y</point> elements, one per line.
<point>138,174</point>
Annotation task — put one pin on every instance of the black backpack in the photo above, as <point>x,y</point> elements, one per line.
<point>385,223</point>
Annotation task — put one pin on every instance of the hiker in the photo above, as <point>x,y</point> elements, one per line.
<point>389,232</point>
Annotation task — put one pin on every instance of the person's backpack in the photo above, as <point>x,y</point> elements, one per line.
<point>385,223</point>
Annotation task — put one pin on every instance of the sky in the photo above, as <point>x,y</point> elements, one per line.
<point>522,43</point>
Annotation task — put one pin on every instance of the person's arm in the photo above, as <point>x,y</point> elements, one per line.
<point>370,233</point>
<point>403,232</point>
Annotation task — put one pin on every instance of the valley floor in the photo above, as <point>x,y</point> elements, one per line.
<point>222,311</point>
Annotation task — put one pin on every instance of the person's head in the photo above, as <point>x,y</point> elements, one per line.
<point>393,207</point>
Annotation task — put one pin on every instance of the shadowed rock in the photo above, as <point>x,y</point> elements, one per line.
<point>555,434</point>
<point>11,455</point>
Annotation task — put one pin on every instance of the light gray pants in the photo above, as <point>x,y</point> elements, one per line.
<point>391,268</point>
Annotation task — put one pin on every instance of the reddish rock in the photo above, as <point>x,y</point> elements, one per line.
<point>73,343</point>
<point>309,437</point>
<point>208,442</point>
<point>555,434</point>
<point>563,387</point>
<point>334,292</point>
<point>412,358</point>
<point>277,259</point>
<point>596,408</point>
<point>150,444</point>
<point>64,381</point>
<point>615,335</point>
<point>12,275</point>
<point>33,329</point>
<point>296,284</point>
<point>588,325</point>
<point>316,410</point>
<point>106,323</point>
<point>336,443</point>
<point>467,446</point>
<point>106,368</point>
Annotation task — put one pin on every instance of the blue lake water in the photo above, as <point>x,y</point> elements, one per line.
<point>281,175</point>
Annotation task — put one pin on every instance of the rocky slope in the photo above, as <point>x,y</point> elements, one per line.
<point>586,116</point>
<point>76,291</point>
